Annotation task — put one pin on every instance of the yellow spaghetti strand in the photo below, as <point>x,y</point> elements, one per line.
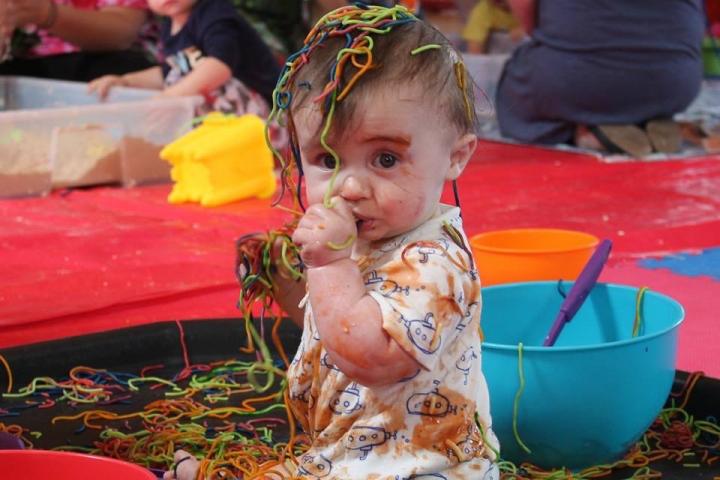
<point>462,84</point>
<point>250,343</point>
<point>638,311</point>
<point>340,246</point>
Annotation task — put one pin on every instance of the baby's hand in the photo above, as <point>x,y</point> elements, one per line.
<point>326,235</point>
<point>101,86</point>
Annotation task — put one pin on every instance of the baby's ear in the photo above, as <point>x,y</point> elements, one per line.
<point>461,153</point>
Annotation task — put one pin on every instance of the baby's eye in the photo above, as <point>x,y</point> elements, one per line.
<point>386,160</point>
<point>328,161</point>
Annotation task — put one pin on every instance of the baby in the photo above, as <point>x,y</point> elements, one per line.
<point>208,50</point>
<point>387,380</point>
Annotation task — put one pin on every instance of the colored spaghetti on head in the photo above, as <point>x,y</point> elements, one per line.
<point>352,25</point>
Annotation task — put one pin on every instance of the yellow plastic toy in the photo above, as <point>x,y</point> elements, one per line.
<point>223,160</point>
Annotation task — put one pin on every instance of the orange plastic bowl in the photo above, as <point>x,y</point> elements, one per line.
<point>46,464</point>
<point>527,254</point>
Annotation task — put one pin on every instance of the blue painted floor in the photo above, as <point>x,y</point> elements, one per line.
<point>706,263</point>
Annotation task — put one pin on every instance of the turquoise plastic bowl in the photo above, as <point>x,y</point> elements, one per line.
<point>592,395</point>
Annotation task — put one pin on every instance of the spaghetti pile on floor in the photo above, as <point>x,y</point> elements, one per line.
<point>226,412</point>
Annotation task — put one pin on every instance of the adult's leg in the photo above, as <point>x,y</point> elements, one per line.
<point>544,93</point>
<point>523,110</point>
<point>93,65</point>
<point>59,67</point>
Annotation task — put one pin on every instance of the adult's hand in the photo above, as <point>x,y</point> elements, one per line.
<point>7,25</point>
<point>19,13</point>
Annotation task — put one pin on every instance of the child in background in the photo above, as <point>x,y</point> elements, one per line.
<point>387,380</point>
<point>208,50</point>
<point>486,17</point>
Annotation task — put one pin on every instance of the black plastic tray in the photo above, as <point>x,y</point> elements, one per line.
<point>129,350</point>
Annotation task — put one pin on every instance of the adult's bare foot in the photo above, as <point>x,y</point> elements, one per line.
<point>584,138</point>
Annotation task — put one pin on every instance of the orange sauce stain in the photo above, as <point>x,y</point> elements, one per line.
<point>433,430</point>
<point>393,421</point>
<point>402,273</point>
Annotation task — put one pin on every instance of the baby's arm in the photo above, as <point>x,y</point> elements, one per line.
<point>288,292</point>
<point>349,320</point>
<point>209,74</point>
<point>148,78</point>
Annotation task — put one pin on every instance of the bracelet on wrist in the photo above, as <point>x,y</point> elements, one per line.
<point>51,16</point>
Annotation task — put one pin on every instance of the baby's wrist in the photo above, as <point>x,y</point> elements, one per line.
<point>329,262</point>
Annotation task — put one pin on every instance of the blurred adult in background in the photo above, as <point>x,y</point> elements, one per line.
<point>72,39</point>
<point>613,71</point>
<point>282,24</point>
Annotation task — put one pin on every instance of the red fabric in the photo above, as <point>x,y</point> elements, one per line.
<point>431,5</point>
<point>644,207</point>
<point>108,258</point>
<point>102,251</point>
<point>52,45</point>
<point>712,7</point>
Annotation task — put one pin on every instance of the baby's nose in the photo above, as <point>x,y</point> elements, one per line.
<point>353,187</point>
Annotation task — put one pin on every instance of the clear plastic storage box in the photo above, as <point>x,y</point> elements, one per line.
<point>54,134</point>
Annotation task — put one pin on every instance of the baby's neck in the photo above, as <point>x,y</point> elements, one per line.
<point>360,249</point>
<point>178,21</point>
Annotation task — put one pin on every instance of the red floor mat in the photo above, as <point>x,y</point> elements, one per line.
<point>644,207</point>
<point>104,258</point>
<point>699,346</point>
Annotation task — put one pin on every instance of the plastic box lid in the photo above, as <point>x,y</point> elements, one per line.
<point>54,134</point>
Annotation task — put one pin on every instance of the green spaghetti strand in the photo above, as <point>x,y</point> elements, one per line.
<point>637,323</point>
<point>516,402</point>
<point>266,365</point>
<point>296,274</point>
<point>425,48</point>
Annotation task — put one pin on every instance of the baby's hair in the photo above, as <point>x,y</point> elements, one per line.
<point>348,54</point>
<point>355,50</point>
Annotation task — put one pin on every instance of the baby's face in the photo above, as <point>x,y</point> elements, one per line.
<point>394,160</point>
<point>170,8</point>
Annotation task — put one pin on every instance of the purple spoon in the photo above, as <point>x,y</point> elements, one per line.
<point>579,291</point>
